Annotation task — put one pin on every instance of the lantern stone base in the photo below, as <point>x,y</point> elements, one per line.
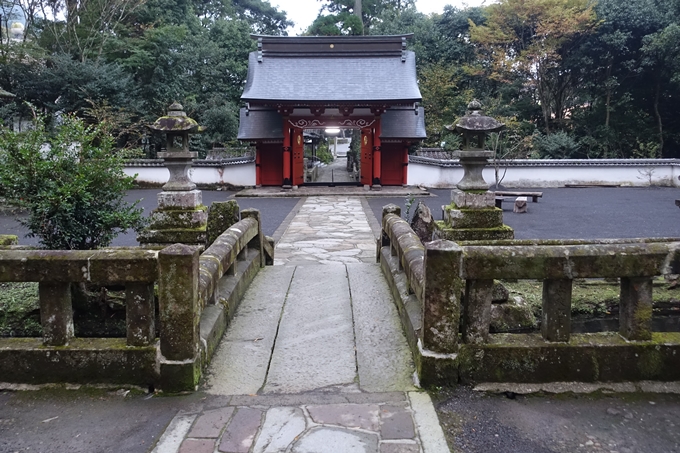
<point>179,218</point>
<point>184,199</point>
<point>472,216</point>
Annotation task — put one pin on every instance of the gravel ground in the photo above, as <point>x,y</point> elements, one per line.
<point>477,422</point>
<point>578,213</point>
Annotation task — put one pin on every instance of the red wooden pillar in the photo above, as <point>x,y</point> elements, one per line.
<point>366,156</point>
<point>377,172</point>
<point>258,159</point>
<point>297,161</point>
<point>287,178</point>
<point>404,179</point>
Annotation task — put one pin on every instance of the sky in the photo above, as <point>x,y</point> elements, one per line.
<point>303,12</point>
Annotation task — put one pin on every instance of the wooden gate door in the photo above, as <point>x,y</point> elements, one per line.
<point>367,156</point>
<point>271,164</point>
<point>298,157</point>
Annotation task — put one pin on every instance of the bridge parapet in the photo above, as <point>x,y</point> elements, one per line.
<point>444,292</point>
<point>169,339</point>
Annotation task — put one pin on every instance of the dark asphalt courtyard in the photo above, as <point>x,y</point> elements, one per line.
<point>578,213</point>
<point>562,213</point>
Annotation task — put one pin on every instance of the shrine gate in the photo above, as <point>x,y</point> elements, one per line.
<point>348,82</point>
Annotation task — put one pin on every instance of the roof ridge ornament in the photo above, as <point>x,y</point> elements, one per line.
<point>403,49</point>
<point>259,50</point>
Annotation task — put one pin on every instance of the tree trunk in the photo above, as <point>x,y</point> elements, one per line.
<point>609,96</point>
<point>657,114</point>
<point>358,13</point>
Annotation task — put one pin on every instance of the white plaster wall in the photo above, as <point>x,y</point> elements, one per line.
<point>535,174</point>
<point>236,175</point>
<point>242,175</point>
<point>148,175</point>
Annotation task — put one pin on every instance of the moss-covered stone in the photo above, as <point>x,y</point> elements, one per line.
<point>83,361</point>
<point>221,215</point>
<point>473,234</point>
<point>9,239</point>
<point>178,218</point>
<point>180,377</point>
<point>512,316</point>
<point>585,358</point>
<point>473,218</point>
<point>173,236</point>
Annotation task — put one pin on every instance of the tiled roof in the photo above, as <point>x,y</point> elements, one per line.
<point>403,124</point>
<point>332,70</point>
<point>260,125</point>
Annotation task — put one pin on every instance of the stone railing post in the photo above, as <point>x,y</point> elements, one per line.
<point>257,242</point>
<point>179,317</point>
<point>384,239</point>
<point>556,310</point>
<point>441,296</point>
<point>140,314</point>
<point>477,311</point>
<point>56,313</point>
<point>635,309</point>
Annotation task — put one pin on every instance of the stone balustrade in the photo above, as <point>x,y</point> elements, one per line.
<point>451,285</point>
<point>197,295</point>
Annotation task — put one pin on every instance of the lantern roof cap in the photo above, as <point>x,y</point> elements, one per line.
<point>176,120</point>
<point>476,121</point>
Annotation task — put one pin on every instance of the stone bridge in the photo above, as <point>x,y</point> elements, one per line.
<point>331,343</point>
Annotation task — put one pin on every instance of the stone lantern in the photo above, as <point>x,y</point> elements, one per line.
<point>473,157</point>
<point>177,126</point>
<point>472,214</point>
<point>180,216</point>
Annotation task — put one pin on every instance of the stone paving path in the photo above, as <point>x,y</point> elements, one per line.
<point>315,359</point>
<point>327,230</point>
<point>336,171</point>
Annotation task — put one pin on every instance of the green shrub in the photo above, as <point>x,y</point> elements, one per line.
<point>558,145</point>
<point>71,182</point>
<point>324,154</point>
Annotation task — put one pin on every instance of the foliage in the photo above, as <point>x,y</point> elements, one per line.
<point>339,17</point>
<point>558,145</point>
<point>606,73</point>
<point>324,154</point>
<point>70,182</point>
<point>530,38</point>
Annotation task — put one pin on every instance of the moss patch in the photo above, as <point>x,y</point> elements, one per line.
<point>97,312</point>
<point>591,297</point>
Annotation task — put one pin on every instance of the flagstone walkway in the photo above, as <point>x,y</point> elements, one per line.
<point>328,230</point>
<point>315,360</point>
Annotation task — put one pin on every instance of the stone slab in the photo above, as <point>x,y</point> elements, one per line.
<point>396,423</point>
<point>384,360</point>
<point>281,427</point>
<point>315,344</point>
<point>363,416</point>
<point>336,440</point>
<point>431,434</point>
<point>188,199</point>
<point>470,200</point>
<point>197,446</point>
<point>239,366</point>
<point>240,433</point>
<point>210,423</point>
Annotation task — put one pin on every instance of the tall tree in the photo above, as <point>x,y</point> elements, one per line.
<point>341,17</point>
<point>528,39</point>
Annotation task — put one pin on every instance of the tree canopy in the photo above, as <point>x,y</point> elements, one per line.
<point>571,78</point>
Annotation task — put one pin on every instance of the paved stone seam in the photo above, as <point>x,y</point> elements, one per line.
<point>276,335</point>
